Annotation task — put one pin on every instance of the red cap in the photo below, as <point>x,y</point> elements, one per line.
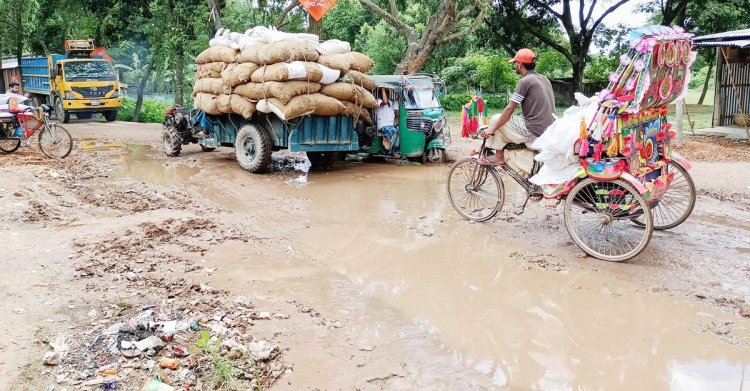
<point>524,56</point>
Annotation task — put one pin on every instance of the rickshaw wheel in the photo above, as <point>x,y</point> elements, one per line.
<point>676,205</point>
<point>171,141</point>
<point>598,217</point>
<point>475,191</point>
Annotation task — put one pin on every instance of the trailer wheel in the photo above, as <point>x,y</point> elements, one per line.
<point>253,148</point>
<point>171,141</point>
<point>62,114</point>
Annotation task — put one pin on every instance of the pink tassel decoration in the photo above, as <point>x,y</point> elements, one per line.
<point>584,152</point>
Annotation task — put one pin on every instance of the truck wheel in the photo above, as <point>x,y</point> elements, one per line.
<point>253,148</point>
<point>171,141</point>
<point>110,115</point>
<point>62,114</point>
<point>320,159</point>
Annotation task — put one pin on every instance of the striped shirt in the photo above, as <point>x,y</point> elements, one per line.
<point>534,94</point>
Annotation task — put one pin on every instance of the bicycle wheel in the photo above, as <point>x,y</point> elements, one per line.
<point>475,191</point>
<point>55,141</point>
<point>598,217</point>
<point>676,205</point>
<point>8,143</point>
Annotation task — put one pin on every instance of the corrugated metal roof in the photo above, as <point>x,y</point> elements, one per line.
<point>740,43</point>
<point>725,35</point>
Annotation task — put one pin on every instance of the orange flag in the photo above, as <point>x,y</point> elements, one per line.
<point>317,8</point>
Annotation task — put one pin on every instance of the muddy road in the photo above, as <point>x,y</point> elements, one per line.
<point>374,282</point>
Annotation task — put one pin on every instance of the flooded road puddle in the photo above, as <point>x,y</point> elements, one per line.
<point>141,163</point>
<point>89,145</point>
<point>382,245</point>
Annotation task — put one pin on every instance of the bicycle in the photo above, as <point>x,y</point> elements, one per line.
<point>54,140</point>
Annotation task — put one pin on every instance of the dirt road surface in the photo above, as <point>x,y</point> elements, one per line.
<point>360,276</point>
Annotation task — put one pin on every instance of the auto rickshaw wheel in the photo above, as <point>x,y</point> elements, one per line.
<point>598,217</point>
<point>434,155</point>
<point>171,141</point>
<point>252,147</point>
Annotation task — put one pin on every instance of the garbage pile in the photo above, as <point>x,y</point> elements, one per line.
<point>202,344</point>
<point>289,75</point>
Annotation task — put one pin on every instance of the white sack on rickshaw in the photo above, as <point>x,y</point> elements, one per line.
<point>555,145</point>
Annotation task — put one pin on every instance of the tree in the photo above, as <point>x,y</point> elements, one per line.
<point>668,11</point>
<point>445,24</point>
<point>580,31</point>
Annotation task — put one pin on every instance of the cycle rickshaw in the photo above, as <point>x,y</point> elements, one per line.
<point>630,181</point>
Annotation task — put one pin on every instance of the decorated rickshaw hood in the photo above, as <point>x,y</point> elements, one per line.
<point>653,73</point>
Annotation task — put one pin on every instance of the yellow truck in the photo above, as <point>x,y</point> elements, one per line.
<point>77,82</point>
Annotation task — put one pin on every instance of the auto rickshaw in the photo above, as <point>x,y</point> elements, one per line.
<point>422,125</point>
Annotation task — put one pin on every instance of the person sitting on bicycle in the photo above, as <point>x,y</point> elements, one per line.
<point>534,94</point>
<point>15,89</point>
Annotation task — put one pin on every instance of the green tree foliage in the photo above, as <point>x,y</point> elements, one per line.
<point>553,65</point>
<point>489,72</point>
<point>383,45</point>
<point>345,21</point>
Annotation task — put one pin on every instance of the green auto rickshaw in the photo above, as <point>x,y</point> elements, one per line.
<point>422,126</point>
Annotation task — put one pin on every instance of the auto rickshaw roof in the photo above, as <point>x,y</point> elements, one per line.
<point>395,80</point>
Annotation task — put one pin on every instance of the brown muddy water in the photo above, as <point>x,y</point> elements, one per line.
<point>382,246</point>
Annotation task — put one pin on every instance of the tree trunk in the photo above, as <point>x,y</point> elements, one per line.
<point>315,26</point>
<point>141,88</point>
<point>179,62</point>
<point>215,11</point>
<point>2,74</point>
<point>414,57</point>
<point>579,65</point>
<point>179,53</point>
<point>19,40</point>
<point>708,79</point>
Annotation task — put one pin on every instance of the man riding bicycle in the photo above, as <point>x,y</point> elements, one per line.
<point>534,94</point>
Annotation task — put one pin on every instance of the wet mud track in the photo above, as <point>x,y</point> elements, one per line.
<point>387,287</point>
<point>511,300</point>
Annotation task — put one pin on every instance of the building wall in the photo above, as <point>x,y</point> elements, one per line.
<point>732,85</point>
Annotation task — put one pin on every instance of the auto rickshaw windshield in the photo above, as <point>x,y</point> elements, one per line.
<point>420,97</point>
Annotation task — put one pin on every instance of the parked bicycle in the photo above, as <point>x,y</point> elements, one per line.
<point>54,140</point>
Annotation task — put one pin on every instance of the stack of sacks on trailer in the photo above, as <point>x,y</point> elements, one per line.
<point>289,75</point>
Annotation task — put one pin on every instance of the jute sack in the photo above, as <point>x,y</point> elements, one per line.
<point>251,91</point>
<point>222,103</point>
<point>350,92</point>
<point>296,70</point>
<point>207,103</point>
<point>357,111</point>
<point>359,61</point>
<point>210,70</point>
<point>217,54</point>
<point>287,51</point>
<point>297,107</point>
<point>366,81</point>
<point>236,74</point>
<point>325,105</point>
<point>209,86</point>
<point>340,62</point>
<point>285,91</point>
<point>250,53</point>
<point>242,106</point>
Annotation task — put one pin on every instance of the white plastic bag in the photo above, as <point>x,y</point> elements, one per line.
<point>334,46</point>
